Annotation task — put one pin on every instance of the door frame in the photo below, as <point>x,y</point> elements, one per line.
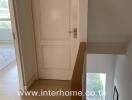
<point>17,44</point>
<point>36,12</point>
<point>83,23</point>
<point>83,20</point>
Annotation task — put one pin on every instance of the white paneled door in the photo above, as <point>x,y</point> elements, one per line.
<point>57,37</point>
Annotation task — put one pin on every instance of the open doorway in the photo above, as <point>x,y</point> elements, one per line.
<point>9,80</point>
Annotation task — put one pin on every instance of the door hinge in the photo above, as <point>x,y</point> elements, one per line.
<point>14,36</point>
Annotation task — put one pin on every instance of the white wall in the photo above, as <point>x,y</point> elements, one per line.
<point>109,20</point>
<point>83,20</point>
<point>123,75</point>
<point>103,63</point>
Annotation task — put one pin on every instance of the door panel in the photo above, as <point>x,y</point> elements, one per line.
<point>56,45</point>
<point>54,19</point>
<point>56,57</point>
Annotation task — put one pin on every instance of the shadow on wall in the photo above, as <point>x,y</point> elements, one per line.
<point>123,73</point>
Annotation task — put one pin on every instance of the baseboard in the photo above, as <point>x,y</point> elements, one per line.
<point>30,82</point>
<point>55,74</point>
<point>9,64</point>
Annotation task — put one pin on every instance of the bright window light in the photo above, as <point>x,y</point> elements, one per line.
<point>96,86</point>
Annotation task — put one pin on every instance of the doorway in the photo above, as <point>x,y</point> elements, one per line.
<point>10,73</point>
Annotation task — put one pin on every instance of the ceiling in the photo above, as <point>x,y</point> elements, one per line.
<point>110,20</point>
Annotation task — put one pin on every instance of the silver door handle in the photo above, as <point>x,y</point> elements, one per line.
<point>74,32</point>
